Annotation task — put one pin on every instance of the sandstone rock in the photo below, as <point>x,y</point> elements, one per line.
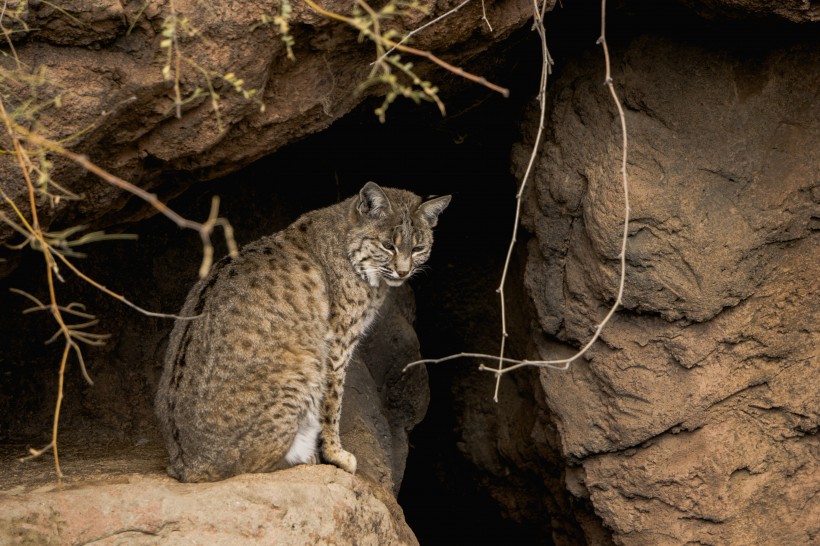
<point>303,505</point>
<point>695,418</point>
<point>116,106</point>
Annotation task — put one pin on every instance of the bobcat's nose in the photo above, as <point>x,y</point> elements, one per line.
<point>402,266</point>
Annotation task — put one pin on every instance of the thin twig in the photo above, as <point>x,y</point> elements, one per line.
<point>542,91</point>
<point>31,236</point>
<point>119,297</point>
<point>205,229</point>
<point>7,35</point>
<point>175,41</point>
<point>387,42</point>
<point>434,21</point>
<point>51,270</point>
<point>484,16</point>
<point>564,363</point>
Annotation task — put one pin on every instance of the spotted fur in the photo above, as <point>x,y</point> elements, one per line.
<point>255,384</point>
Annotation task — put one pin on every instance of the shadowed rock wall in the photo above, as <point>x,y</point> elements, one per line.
<point>105,61</point>
<point>695,418</point>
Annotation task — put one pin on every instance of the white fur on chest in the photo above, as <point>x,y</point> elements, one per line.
<point>303,449</point>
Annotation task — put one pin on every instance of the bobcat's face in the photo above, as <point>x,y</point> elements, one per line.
<point>402,252</point>
<point>397,234</point>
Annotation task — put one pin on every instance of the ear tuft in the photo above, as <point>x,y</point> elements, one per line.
<point>431,209</point>
<point>373,202</point>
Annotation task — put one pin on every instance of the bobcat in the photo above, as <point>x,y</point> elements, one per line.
<point>255,383</point>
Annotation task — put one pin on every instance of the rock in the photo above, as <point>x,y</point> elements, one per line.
<point>302,505</point>
<point>75,22</point>
<point>116,106</point>
<point>382,404</point>
<point>797,11</point>
<point>694,419</point>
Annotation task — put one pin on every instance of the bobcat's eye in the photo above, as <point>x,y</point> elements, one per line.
<point>387,245</point>
<point>417,249</point>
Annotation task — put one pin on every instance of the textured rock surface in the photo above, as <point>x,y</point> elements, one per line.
<point>695,419</point>
<point>118,108</point>
<point>303,505</point>
<point>800,11</point>
<point>382,404</point>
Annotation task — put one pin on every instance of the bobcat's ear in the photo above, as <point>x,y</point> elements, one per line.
<point>373,202</point>
<point>431,209</point>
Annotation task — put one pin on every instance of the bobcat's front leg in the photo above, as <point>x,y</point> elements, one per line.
<point>332,450</point>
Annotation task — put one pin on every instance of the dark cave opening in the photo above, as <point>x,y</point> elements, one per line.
<point>465,154</point>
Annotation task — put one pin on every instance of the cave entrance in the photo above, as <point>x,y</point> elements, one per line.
<point>466,154</point>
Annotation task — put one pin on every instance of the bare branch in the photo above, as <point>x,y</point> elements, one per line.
<point>119,297</point>
<point>484,16</point>
<point>387,42</point>
<point>429,23</point>
<point>538,23</point>
<point>564,363</point>
<point>205,230</point>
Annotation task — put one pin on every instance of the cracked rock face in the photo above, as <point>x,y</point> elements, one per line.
<point>695,418</point>
<point>105,62</point>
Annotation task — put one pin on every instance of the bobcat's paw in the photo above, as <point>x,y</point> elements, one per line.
<point>341,458</point>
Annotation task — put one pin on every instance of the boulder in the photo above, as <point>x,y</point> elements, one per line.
<point>694,419</point>
<point>316,504</point>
